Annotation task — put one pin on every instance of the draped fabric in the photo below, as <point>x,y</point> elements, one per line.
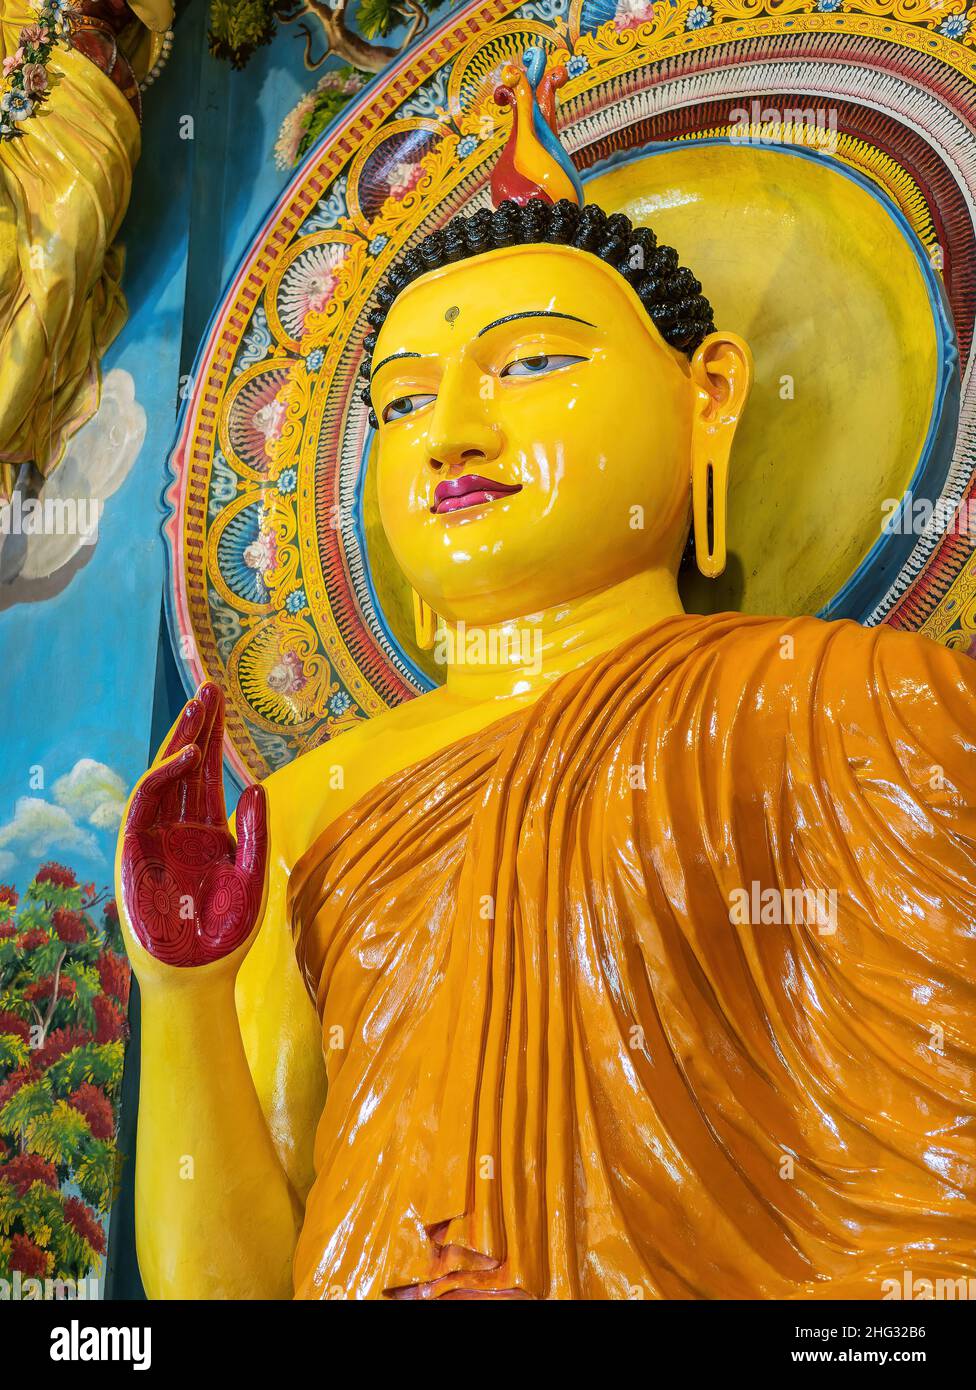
<point>564,1061</point>
<point>64,189</point>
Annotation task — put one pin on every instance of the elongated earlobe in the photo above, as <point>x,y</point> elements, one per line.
<point>709,493</point>
<point>722,373</point>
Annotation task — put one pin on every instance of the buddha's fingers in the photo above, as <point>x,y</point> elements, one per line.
<point>151,798</point>
<point>186,728</point>
<point>252,841</point>
<point>212,809</point>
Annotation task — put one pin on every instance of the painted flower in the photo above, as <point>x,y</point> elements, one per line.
<point>339,703</point>
<point>70,926</point>
<point>287,481</point>
<point>270,421</point>
<point>314,360</point>
<point>58,874</point>
<point>630,13</point>
<point>13,61</point>
<point>16,106</point>
<point>404,179</point>
<point>577,64</point>
<point>33,940</point>
<point>110,1026</point>
<point>262,555</point>
<point>954,26</point>
<point>467,145</point>
<point>84,1222</point>
<point>699,18</point>
<point>377,244</point>
<point>286,676</point>
<point>828,6</point>
<point>296,601</point>
<point>30,1259</point>
<point>24,1170</point>
<point>94,1104</point>
<point>308,286</point>
<point>8,896</point>
<point>35,79</point>
<point>293,127</point>
<point>32,36</point>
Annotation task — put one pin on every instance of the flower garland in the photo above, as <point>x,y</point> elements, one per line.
<point>26,81</point>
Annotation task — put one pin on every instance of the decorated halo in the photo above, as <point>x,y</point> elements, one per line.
<point>282,588</point>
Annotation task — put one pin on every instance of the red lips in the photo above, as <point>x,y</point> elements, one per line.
<point>471,490</point>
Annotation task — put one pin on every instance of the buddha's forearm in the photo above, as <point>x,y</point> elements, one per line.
<point>215,1216</point>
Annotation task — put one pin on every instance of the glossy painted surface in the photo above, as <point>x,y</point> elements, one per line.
<point>826,286</point>
<point>540,862</point>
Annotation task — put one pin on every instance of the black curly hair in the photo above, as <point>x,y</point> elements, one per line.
<point>669,292</point>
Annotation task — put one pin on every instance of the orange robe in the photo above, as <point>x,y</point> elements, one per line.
<point>562,1065</point>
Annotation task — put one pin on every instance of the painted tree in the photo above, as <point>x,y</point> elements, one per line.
<point>64,987</point>
<point>352,32</point>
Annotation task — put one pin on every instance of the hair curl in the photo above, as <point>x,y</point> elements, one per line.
<point>668,291</point>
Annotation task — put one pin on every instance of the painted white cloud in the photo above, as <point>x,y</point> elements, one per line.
<point>92,792</point>
<point>39,828</point>
<point>90,795</point>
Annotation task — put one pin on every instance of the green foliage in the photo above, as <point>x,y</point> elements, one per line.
<point>14,1052</point>
<point>98,1063</point>
<point>377,18</point>
<point>61,1060</point>
<point>331,96</point>
<point>239,27</point>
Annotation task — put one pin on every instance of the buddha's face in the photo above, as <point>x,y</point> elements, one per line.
<point>535,435</point>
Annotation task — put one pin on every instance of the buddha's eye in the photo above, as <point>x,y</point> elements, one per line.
<point>405,405</point>
<point>538,366</point>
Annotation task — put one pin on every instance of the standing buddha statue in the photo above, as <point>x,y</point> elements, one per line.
<point>638,959</point>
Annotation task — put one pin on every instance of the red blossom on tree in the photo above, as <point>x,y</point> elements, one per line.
<point>109,1023</point>
<point>111,910</point>
<point>26,1169</point>
<point>32,939</point>
<point>96,1107</point>
<point>10,1023</point>
<point>58,874</point>
<point>13,1083</point>
<point>83,1219</point>
<point>113,972</point>
<point>44,988</point>
<point>8,896</point>
<point>7,930</point>
<point>70,926</point>
<point>30,1259</point>
<point>60,1041</point>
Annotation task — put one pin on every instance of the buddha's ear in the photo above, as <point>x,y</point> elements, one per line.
<point>721,372</point>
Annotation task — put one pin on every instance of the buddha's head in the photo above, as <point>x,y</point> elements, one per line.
<point>549,393</point>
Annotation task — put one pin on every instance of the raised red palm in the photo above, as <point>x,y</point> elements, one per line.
<point>191,893</point>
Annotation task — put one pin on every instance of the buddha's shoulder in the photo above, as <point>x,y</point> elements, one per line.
<point>838,660</point>
<point>307,794</point>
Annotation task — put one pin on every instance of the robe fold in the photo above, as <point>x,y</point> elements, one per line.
<point>660,987</point>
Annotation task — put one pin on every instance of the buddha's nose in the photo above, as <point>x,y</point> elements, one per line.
<point>462,432</point>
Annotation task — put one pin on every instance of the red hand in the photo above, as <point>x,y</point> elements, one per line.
<point>192,894</point>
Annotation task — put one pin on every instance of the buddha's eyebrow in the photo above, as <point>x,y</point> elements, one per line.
<point>534,314</point>
<point>392,358</point>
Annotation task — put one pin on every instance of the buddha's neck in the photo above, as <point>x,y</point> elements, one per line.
<point>519,657</point>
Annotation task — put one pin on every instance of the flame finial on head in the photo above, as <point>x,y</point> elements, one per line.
<point>533,163</point>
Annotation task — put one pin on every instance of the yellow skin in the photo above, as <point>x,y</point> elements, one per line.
<point>615,421</point>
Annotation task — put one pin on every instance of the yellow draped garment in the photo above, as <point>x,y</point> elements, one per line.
<point>559,1069</point>
<point>64,189</point>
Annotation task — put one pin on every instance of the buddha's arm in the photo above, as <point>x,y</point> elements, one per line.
<point>216,1216</point>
